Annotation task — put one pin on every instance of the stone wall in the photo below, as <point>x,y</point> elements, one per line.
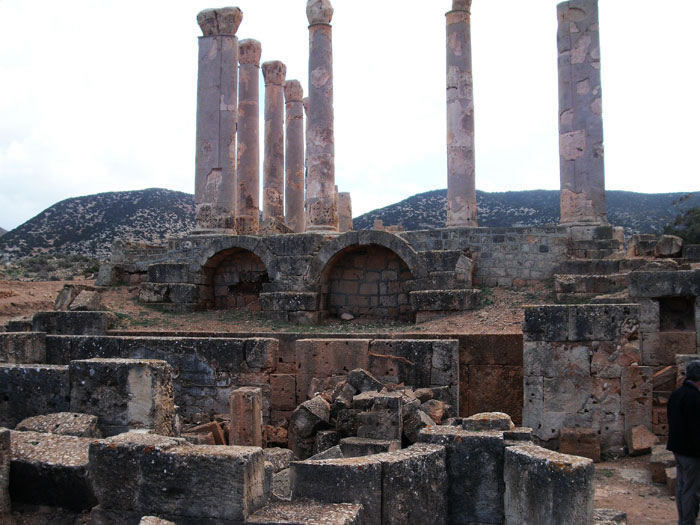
<point>238,280</point>
<point>582,369</point>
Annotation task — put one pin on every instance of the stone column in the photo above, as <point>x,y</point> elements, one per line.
<point>273,163</point>
<point>217,112</point>
<point>345,212</point>
<point>294,157</point>
<point>461,186</point>
<point>248,187</point>
<point>582,168</point>
<point>321,210</point>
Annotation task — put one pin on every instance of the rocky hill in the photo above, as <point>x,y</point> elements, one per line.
<point>2,232</point>
<point>88,225</point>
<point>636,212</point>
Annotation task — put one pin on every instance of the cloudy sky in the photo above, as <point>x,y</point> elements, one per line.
<point>99,95</point>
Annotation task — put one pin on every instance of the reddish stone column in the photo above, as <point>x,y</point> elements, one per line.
<point>246,417</point>
<point>582,167</point>
<point>248,201</point>
<point>321,210</point>
<point>294,157</point>
<point>345,212</point>
<point>461,186</point>
<point>273,162</point>
<point>217,112</point>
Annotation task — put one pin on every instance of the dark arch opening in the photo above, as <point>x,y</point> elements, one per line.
<point>235,278</point>
<point>367,281</point>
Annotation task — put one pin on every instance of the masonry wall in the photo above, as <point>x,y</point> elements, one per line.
<point>238,280</point>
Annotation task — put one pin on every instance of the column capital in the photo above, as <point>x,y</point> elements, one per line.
<point>461,5</point>
<point>250,51</point>
<point>274,73</point>
<point>319,11</point>
<point>293,92</point>
<point>220,21</point>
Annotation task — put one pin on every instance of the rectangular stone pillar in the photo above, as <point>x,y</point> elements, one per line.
<point>582,169</point>
<point>345,212</point>
<point>246,417</point>
<point>4,472</point>
<point>217,114</point>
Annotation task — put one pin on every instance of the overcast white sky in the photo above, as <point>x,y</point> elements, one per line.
<point>99,95</point>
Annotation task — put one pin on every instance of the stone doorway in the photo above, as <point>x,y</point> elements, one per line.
<point>236,278</point>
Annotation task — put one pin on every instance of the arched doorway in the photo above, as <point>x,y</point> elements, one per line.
<point>367,281</point>
<point>236,277</point>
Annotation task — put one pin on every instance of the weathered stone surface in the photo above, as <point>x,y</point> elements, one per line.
<point>31,390</point>
<point>671,477</point>
<point>196,482</point>
<point>353,447</point>
<point>583,442</point>
<point>221,21</point>
<point>345,212</point>
<point>579,322</point>
<point>124,394</point>
<point>51,470</point>
<point>382,418</point>
<point>279,458</point>
<point>308,512</point>
<point>212,428</point>
<point>22,348</point>
<point>152,520</point>
<point>73,323</point>
<point>294,157</point>
<point>5,456</point>
<point>668,246</point>
<point>273,165</point>
<point>660,460</point>
<point>246,417</point>
<point>326,439</point>
<point>332,453</point>
<point>414,420</point>
<point>62,423</point>
<point>363,381</point>
<point>470,498</point>
<point>640,440</point>
<point>310,417</point>
<point>488,421</point>
<point>665,284</point>
<point>636,396</point>
<point>87,301</point>
<point>444,300</point>
<point>609,517</point>
<point>538,481</point>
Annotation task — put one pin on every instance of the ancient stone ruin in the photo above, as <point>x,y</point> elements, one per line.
<point>114,427</point>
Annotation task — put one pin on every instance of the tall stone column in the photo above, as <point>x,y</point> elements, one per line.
<point>582,169</point>
<point>345,212</point>
<point>321,209</point>
<point>273,163</point>
<point>461,186</point>
<point>294,157</point>
<point>217,111</point>
<point>248,187</point>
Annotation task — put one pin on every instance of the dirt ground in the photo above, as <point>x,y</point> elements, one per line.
<point>623,485</point>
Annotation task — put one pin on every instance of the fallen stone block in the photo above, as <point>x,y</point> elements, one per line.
<point>281,489</point>
<point>310,416</point>
<point>471,498</point>
<point>609,517</point>
<point>62,423</point>
<point>671,479</point>
<point>5,457</point>
<point>669,246</point>
<point>308,513</point>
<point>382,416</point>
<point>212,428</point>
<point>547,487</point>
<point>640,440</point>
<point>32,390</point>
<point>436,410</point>
<point>488,421</point>
<point>660,460</point>
<point>413,421</point>
<point>199,438</point>
<point>518,434</point>
<point>279,458</point>
<point>22,347</point>
<point>153,520</point>
<point>166,477</point>
<point>326,439</point>
<point>124,393</point>
<point>363,381</point>
<point>354,447</point>
<point>584,442</point>
<point>86,301</point>
<point>332,453</point>
<point>49,469</point>
<point>67,295</point>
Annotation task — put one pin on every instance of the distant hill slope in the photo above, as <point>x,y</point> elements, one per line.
<point>2,232</point>
<point>636,212</point>
<point>88,225</point>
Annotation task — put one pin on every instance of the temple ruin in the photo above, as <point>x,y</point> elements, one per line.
<point>352,428</point>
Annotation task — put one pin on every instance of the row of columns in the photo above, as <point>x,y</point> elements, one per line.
<point>582,170</point>
<point>228,133</point>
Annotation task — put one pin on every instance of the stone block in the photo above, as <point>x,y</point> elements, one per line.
<point>278,458</point>
<point>198,438</point>
<point>310,416</point>
<point>5,457</point>
<point>49,469</point>
<point>261,353</point>
<point>332,453</point>
<point>405,361</point>
<point>671,476</point>
<point>668,246</point>
<point>307,512</point>
<point>22,348</point>
<point>62,423</point>
<point>354,447</point>
<point>580,322</point>
<point>546,323</point>
<point>436,410</point>
<point>31,390</point>
<point>153,520</point>
<point>636,396</point>
<point>283,394</point>
<point>609,517</point>
<point>470,498</point>
<point>491,349</point>
<point>584,442</point>
<point>518,434</point>
<point>484,390</point>
<point>382,417</point>
<point>73,323</point>
<point>246,417</point>
<point>664,284</point>
<point>212,428</point>
<point>157,475</point>
<point>539,481</point>
<point>414,420</point>
<point>353,480</point>
<point>363,381</point>
<point>87,301</point>
<point>488,421</point>
<point>290,301</point>
<point>326,439</point>
<point>167,273</point>
<point>640,440</point>
<point>322,358</point>
<point>124,393</point>
<point>445,365</point>
<point>660,460</point>
<point>444,300</point>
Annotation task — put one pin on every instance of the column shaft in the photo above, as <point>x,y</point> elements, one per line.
<point>582,168</point>
<point>345,212</point>
<point>294,157</point>
<point>273,164</point>
<point>248,187</point>
<point>461,186</point>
